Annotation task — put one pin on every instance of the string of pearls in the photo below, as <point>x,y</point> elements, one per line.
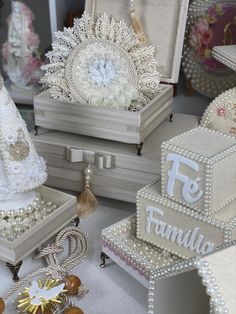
<point>14,223</point>
<point>212,290</point>
<point>141,256</point>
<point>227,100</point>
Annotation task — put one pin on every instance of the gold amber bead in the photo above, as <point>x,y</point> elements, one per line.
<point>47,311</point>
<point>72,284</point>
<point>2,305</point>
<point>73,310</point>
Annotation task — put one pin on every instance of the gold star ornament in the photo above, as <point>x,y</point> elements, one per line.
<point>39,297</point>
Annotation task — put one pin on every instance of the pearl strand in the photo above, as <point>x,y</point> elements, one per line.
<point>14,223</point>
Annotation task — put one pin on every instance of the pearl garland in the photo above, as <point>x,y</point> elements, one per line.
<point>226,99</point>
<point>21,211</point>
<point>208,280</point>
<point>15,222</point>
<point>179,268</point>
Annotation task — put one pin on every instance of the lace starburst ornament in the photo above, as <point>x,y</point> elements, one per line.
<point>102,63</point>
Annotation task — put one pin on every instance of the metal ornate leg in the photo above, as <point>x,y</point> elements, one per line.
<point>14,269</point>
<point>76,221</point>
<point>36,130</point>
<point>175,86</point>
<point>171,117</point>
<point>189,91</point>
<point>104,257</point>
<point>139,148</point>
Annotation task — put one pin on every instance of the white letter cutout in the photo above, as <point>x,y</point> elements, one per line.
<point>151,220</point>
<point>190,239</point>
<point>189,186</point>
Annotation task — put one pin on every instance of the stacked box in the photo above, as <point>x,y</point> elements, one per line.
<point>192,210</point>
<point>195,166</point>
<point>116,125</point>
<point>114,138</point>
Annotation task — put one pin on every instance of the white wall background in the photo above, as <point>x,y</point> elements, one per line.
<point>42,26</point>
<point>191,105</point>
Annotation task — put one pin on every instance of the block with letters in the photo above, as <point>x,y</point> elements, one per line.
<point>180,230</point>
<point>198,169</point>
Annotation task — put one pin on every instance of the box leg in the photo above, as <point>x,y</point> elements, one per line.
<point>104,257</point>
<point>36,130</point>
<point>171,117</point>
<point>76,221</point>
<point>175,87</point>
<point>139,148</point>
<point>189,90</point>
<point>14,269</point>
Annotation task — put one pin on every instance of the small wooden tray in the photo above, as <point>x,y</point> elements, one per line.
<point>14,251</point>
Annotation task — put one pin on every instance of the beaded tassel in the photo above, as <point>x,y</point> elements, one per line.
<point>87,201</point>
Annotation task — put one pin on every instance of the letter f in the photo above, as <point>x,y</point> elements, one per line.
<point>150,218</point>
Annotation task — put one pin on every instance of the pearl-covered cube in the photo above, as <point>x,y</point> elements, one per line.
<point>198,169</point>
<point>180,230</point>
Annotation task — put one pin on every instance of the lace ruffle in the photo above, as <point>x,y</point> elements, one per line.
<point>22,169</point>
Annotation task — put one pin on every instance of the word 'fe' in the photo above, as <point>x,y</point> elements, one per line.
<point>191,239</point>
<point>190,187</point>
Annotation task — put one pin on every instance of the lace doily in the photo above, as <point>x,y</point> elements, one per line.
<point>21,169</point>
<point>102,63</point>
<point>221,113</point>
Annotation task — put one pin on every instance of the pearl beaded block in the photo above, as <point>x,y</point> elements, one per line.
<point>178,229</point>
<point>143,257</point>
<point>198,169</point>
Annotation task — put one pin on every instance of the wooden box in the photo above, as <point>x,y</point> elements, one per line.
<point>178,229</point>
<point>118,172</point>
<point>164,24</point>
<point>127,127</point>
<point>120,244</point>
<point>14,251</point>
<point>122,126</point>
<point>175,284</point>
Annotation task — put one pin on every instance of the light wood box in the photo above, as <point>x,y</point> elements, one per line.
<point>164,23</point>
<point>118,172</point>
<point>14,251</point>
<point>178,229</point>
<point>116,125</point>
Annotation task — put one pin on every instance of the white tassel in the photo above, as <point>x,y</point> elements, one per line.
<point>138,27</point>
<point>136,23</point>
<point>87,201</point>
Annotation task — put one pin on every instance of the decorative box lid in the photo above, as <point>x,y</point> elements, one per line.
<point>226,55</point>
<point>197,141</point>
<point>164,24</point>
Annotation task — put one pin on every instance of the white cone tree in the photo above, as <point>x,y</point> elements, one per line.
<point>21,169</point>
